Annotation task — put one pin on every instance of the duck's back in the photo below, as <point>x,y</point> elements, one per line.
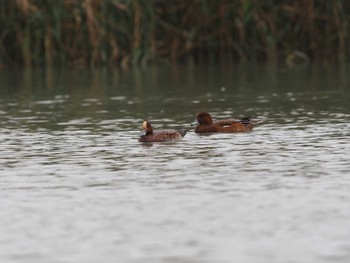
<point>243,125</point>
<point>226,126</point>
<point>162,136</point>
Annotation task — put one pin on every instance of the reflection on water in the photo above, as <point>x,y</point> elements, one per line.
<point>76,186</point>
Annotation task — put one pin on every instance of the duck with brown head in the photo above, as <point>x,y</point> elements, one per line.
<point>205,124</point>
<point>150,135</point>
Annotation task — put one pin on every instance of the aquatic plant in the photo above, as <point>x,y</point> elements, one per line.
<point>125,32</point>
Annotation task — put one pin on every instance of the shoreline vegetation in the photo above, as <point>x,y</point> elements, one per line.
<point>136,32</point>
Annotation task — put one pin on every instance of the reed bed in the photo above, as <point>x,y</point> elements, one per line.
<point>133,32</point>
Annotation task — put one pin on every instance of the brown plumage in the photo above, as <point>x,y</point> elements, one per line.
<point>150,135</point>
<point>205,124</point>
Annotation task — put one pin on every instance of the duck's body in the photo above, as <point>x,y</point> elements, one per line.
<point>150,135</point>
<point>205,124</point>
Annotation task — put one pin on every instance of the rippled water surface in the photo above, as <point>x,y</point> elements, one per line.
<point>77,186</point>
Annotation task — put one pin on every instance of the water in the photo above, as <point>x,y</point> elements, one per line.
<point>76,186</point>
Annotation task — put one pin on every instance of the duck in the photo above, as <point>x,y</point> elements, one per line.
<point>205,124</point>
<point>150,135</point>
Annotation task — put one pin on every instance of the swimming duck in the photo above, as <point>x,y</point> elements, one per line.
<point>150,135</point>
<point>205,124</point>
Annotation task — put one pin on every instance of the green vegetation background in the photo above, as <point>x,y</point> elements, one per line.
<point>127,32</point>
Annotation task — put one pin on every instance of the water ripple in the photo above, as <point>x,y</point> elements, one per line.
<point>81,188</point>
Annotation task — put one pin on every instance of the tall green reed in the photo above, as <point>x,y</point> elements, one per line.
<point>131,32</point>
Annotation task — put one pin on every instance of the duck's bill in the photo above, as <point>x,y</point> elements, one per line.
<point>195,123</point>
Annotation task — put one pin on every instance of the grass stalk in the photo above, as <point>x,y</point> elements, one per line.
<point>124,32</point>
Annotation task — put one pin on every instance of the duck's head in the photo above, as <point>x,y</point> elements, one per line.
<point>146,128</point>
<point>202,118</point>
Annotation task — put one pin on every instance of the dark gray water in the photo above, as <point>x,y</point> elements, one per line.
<point>76,186</point>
